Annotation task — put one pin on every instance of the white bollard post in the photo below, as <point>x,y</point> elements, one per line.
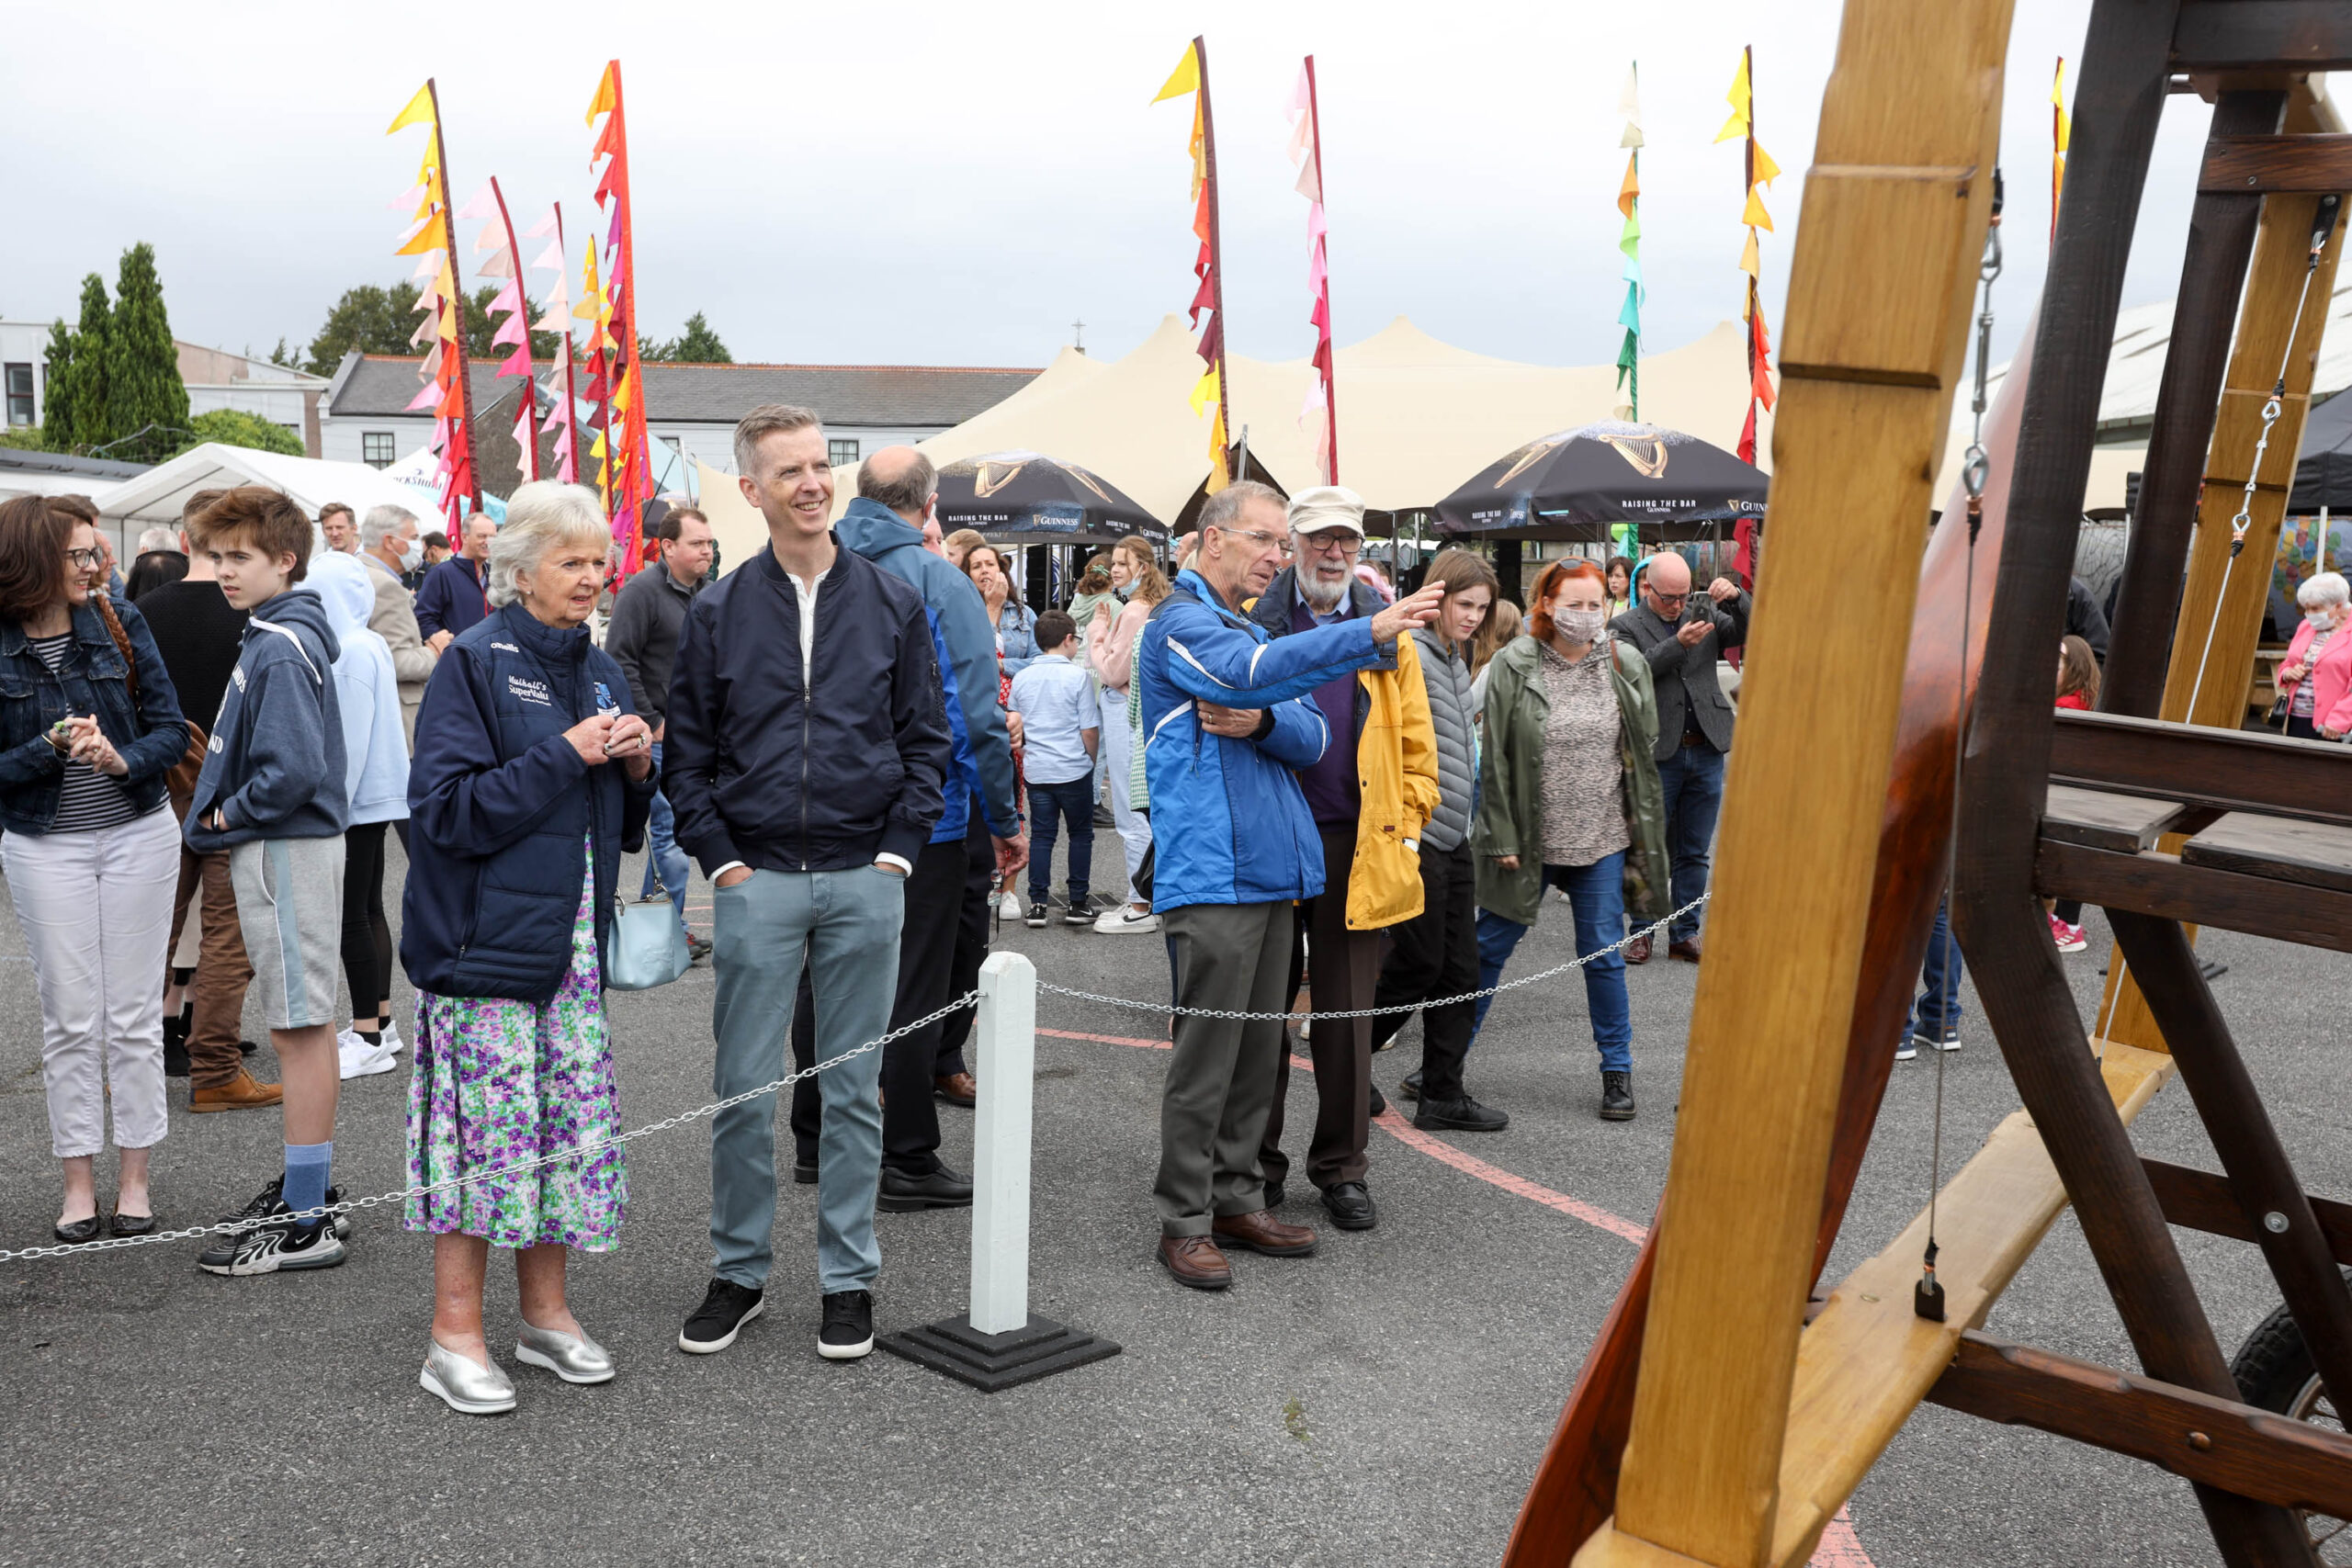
<point>1006,1038</point>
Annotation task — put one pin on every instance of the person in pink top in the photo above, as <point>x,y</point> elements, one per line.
<point>1110,652</point>
<point>2316,680</point>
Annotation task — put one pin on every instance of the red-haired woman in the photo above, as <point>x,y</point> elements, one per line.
<point>1569,798</point>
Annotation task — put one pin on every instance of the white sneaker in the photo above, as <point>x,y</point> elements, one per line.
<point>359,1059</point>
<point>1123,919</point>
<point>392,1041</point>
<point>1008,905</point>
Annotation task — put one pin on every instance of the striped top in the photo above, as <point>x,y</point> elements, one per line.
<point>88,800</point>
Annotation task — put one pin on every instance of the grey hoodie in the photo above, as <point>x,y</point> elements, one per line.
<point>274,766</point>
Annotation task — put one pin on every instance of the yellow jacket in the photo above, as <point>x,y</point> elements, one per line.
<point>1396,771</point>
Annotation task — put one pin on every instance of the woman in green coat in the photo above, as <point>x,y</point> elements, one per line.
<point>1569,798</point>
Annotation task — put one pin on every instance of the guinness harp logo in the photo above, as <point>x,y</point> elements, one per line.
<point>1530,455</point>
<point>1651,467</point>
<point>987,478</point>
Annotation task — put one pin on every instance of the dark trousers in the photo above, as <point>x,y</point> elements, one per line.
<point>366,936</point>
<point>972,932</point>
<point>217,991</point>
<point>1053,807</point>
<point>1435,954</point>
<point>1693,780</point>
<point>1347,972</point>
<point>926,946</point>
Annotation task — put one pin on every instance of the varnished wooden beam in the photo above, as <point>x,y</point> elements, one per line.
<point>2215,1442</point>
<point>2254,166</point>
<point>2230,35</point>
<point>2229,770</point>
<point>2201,1201</point>
<point>2158,883</point>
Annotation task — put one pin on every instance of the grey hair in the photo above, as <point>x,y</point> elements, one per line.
<point>2324,588</point>
<point>768,419</point>
<point>158,538</point>
<point>541,516</point>
<point>382,523</point>
<point>907,490</point>
<point>1223,509</point>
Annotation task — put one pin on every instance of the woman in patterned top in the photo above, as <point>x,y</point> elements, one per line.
<point>1569,798</point>
<point>89,726</point>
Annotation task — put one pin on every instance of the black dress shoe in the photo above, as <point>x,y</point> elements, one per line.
<point>803,1172</point>
<point>1351,1206</point>
<point>131,1225</point>
<point>1411,1087</point>
<point>1463,1115</point>
<point>939,1188</point>
<point>1616,1096</point>
<point>175,1063</point>
<point>1379,1100</point>
<point>79,1231</point>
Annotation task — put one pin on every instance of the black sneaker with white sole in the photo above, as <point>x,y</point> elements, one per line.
<point>281,1246</point>
<point>848,1331</point>
<point>267,1199</point>
<point>726,1308</point>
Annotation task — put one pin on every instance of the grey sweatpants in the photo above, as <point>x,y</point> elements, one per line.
<point>1221,1077</point>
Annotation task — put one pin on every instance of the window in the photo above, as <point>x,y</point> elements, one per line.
<point>840,451</point>
<point>376,448</point>
<point>20,394</point>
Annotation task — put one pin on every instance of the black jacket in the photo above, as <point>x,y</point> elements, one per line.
<point>501,808</point>
<point>1685,677</point>
<point>823,773</point>
<point>648,615</point>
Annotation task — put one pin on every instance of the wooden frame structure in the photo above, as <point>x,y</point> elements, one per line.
<point>1725,1414</point>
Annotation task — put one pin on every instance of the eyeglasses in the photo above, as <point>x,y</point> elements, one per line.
<point>1670,598</point>
<point>1260,538</point>
<point>85,560</point>
<point>1331,542</point>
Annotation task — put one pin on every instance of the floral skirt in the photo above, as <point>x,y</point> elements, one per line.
<point>497,1082</point>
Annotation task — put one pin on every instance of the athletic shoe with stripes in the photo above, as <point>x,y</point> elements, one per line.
<point>280,1246</point>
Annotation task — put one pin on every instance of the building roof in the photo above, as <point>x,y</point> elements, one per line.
<point>22,460</point>
<point>381,386</point>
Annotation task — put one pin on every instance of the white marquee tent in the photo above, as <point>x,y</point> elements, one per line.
<point>158,495</point>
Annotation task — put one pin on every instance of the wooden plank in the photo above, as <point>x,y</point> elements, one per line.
<point>2219,1442</point>
<point>2316,854</point>
<point>2126,822</point>
<point>2228,35</point>
<point>1867,1360</point>
<point>2155,882</point>
<point>1911,88</point>
<point>2237,164</point>
<point>2226,769</point>
<point>2201,1201</point>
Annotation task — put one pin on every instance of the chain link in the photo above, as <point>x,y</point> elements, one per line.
<point>1627,940</point>
<point>352,1205</point>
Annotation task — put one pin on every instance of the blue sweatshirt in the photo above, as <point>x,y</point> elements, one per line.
<point>276,763</point>
<point>453,598</point>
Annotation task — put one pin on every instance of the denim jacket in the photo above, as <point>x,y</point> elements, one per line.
<point>93,681</point>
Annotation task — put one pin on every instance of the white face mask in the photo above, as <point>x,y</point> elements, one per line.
<point>2320,618</point>
<point>410,551</point>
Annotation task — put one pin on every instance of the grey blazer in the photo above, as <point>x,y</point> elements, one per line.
<point>1685,677</point>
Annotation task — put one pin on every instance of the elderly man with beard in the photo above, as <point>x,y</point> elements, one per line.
<point>1372,790</point>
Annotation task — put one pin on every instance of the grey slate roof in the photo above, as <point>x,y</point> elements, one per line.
<point>27,461</point>
<point>721,394</point>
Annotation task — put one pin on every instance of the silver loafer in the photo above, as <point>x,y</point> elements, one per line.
<point>464,1384</point>
<point>572,1358</point>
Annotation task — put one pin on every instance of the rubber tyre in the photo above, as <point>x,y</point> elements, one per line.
<point>2275,1370</point>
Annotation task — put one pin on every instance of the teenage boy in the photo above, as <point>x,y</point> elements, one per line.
<point>1062,723</point>
<point>271,792</point>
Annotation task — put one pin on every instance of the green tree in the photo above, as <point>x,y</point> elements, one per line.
<point>282,356</point>
<point>371,319</point>
<point>696,345</point>
<point>24,437</point>
<point>146,402</point>
<point>235,427</point>
<point>74,417</point>
<point>58,418</point>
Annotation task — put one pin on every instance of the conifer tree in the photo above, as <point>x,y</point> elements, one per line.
<point>58,419</point>
<point>144,395</point>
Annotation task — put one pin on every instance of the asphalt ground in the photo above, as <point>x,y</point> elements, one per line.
<point>1384,1401</point>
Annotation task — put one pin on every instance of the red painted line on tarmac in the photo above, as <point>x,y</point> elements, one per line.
<point>1840,1547</point>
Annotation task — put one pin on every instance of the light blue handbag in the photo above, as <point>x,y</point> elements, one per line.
<point>649,946</point>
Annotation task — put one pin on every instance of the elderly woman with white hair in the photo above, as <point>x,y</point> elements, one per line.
<point>2316,679</point>
<point>532,775</point>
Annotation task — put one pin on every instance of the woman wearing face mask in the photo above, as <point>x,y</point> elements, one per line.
<point>1569,798</point>
<point>390,546</point>
<point>2316,680</point>
<point>1015,623</point>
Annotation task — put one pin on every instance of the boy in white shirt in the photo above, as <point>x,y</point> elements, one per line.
<point>1061,725</point>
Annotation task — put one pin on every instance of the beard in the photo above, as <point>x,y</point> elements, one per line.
<point>1321,597</point>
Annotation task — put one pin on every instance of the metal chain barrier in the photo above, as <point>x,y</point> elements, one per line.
<point>234,1227</point>
<point>1627,940</point>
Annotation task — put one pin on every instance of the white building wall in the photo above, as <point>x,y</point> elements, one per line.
<point>340,439</point>
<point>27,342</point>
<point>280,402</point>
<point>715,444</point>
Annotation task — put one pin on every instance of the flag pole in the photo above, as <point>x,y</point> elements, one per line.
<point>463,436</point>
<point>1331,377</point>
<point>528,427</point>
<point>1216,258</point>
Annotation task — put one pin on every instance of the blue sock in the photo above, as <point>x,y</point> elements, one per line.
<point>306,1174</point>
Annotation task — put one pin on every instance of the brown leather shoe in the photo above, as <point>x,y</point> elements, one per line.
<point>1195,1261</point>
<point>1687,951</point>
<point>957,1088</point>
<point>239,1093</point>
<point>1638,949</point>
<point>1262,1232</point>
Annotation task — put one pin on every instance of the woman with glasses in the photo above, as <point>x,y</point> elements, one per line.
<point>89,726</point>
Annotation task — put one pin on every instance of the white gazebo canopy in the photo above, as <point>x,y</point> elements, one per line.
<point>159,495</point>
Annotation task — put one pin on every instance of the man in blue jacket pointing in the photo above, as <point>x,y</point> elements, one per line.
<point>1226,716</point>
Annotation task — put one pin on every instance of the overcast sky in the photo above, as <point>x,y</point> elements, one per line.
<point>952,184</point>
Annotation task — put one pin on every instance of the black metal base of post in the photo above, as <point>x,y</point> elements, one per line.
<point>991,1361</point>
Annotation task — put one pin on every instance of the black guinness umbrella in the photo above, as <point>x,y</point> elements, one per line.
<point>1575,484</point>
<point>1027,498</point>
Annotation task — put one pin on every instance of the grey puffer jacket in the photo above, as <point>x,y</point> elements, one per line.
<point>1445,675</point>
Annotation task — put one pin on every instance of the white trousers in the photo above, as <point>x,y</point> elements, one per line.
<point>1133,831</point>
<point>96,911</point>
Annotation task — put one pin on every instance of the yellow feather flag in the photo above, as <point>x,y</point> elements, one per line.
<point>1766,170</point>
<point>1185,78</point>
<point>1206,391</point>
<point>2065,122</point>
<point>427,238</point>
<point>1750,262</point>
<point>1219,478</point>
<point>419,111</point>
<point>1738,99</point>
<point>1756,217</point>
<point>604,98</point>
<point>591,294</point>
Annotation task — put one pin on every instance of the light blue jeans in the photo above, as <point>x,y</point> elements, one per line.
<point>662,852</point>
<point>848,923</point>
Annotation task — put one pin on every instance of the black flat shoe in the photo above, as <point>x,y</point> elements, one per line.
<point>1351,1207</point>
<point>940,1188</point>
<point>121,1224</point>
<point>80,1230</point>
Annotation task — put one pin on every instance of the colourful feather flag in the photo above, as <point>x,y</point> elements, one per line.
<point>1191,75</point>
<point>1760,172</point>
<point>505,260</point>
<point>1306,152</point>
<point>2061,127</point>
<point>628,460</point>
<point>431,236</point>
<point>1629,241</point>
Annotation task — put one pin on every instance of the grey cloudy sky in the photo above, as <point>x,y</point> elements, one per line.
<point>950,184</point>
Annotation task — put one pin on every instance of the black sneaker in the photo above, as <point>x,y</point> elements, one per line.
<point>1084,911</point>
<point>267,1199</point>
<point>280,1245</point>
<point>725,1309</point>
<point>1463,1115</point>
<point>1035,913</point>
<point>848,1332</point>
<point>1616,1096</point>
